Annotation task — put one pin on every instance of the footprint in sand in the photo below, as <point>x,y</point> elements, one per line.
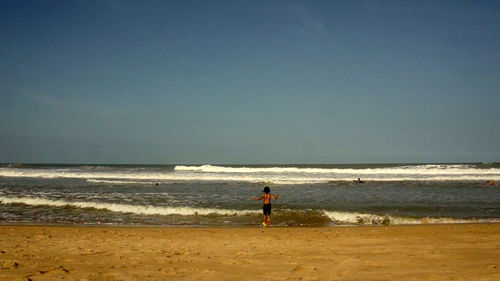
<point>298,268</point>
<point>8,264</point>
<point>51,274</point>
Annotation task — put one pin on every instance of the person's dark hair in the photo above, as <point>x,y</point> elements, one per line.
<point>266,189</point>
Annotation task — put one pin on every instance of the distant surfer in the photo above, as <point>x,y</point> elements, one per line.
<point>266,208</point>
<point>358,181</point>
<point>491,183</point>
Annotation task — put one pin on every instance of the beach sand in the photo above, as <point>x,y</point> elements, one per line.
<point>419,252</point>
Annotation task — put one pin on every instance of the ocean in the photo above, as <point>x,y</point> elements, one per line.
<point>220,195</point>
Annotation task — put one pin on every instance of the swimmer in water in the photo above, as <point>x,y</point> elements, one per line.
<point>491,183</point>
<point>358,181</point>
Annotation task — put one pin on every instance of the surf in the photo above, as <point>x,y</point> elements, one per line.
<point>123,208</point>
<point>284,217</point>
<point>259,175</point>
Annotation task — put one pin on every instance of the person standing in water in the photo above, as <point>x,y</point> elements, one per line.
<point>266,208</point>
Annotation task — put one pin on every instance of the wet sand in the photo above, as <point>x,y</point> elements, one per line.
<point>421,252</point>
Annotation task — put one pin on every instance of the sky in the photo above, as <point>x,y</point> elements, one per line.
<point>249,82</point>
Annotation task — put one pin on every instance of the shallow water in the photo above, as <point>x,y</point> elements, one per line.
<point>220,195</point>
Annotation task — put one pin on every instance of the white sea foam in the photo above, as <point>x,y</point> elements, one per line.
<point>125,208</point>
<point>352,217</point>
<point>400,170</point>
<point>363,218</point>
<point>335,216</point>
<point>121,182</point>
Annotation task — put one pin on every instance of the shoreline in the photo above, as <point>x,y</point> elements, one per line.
<point>110,225</point>
<point>397,252</point>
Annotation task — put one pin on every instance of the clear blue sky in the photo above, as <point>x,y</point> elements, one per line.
<point>249,81</point>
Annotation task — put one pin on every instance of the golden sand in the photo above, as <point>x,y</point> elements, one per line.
<point>421,252</point>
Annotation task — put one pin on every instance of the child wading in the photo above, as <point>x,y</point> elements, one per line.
<point>266,208</point>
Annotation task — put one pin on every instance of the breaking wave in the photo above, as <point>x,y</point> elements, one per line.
<point>123,208</point>
<point>286,216</point>
<point>271,175</point>
<point>121,182</point>
<point>448,169</point>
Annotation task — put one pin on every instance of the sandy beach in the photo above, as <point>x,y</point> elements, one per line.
<point>421,252</point>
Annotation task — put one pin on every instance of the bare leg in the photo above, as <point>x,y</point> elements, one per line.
<point>268,219</point>
<point>265,219</point>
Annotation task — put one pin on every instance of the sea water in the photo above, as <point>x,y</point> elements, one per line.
<point>220,195</point>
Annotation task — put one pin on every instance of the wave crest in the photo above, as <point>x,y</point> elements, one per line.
<point>458,169</point>
<point>285,216</point>
<point>124,208</point>
<point>271,175</point>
